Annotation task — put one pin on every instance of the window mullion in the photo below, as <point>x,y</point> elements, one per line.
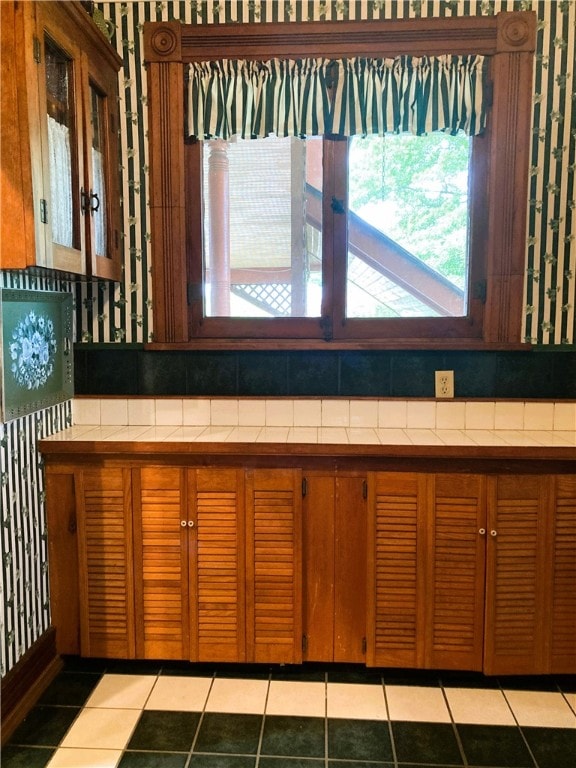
<point>337,203</point>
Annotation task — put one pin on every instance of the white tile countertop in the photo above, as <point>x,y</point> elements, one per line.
<point>368,427</point>
<point>315,435</point>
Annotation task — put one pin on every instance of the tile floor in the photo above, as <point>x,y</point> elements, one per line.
<point>142,715</point>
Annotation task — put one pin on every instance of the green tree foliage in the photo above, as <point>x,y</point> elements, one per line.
<point>415,190</point>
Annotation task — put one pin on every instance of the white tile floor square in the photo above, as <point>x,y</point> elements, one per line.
<point>179,694</point>
<point>102,728</point>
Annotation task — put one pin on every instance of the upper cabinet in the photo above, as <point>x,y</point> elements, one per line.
<point>60,163</point>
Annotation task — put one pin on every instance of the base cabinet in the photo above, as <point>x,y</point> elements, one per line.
<point>189,564</point>
<point>426,570</point>
<point>179,563</point>
<point>472,572</point>
<point>269,565</point>
<point>531,575</point>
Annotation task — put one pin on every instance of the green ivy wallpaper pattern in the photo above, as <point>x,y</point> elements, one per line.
<point>123,313</point>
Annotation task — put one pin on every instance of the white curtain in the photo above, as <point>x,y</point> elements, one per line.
<point>100,189</point>
<point>60,211</point>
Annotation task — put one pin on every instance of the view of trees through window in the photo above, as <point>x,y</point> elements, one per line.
<point>407,224</point>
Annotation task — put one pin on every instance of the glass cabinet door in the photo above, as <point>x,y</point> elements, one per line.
<point>62,202</point>
<point>98,164</point>
<point>102,165</point>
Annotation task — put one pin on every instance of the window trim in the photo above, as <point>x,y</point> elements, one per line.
<point>507,38</point>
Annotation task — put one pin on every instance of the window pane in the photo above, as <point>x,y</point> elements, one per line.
<point>408,226</point>
<point>59,111</point>
<point>98,176</point>
<point>262,203</point>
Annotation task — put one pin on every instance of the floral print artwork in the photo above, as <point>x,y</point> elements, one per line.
<point>32,351</point>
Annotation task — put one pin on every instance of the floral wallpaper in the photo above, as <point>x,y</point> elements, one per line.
<point>123,313</point>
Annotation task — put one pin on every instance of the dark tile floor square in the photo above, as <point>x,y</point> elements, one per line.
<point>552,747</point>
<point>45,726</point>
<point>426,743</point>
<point>25,757</point>
<point>291,762</point>
<point>234,734</point>
<point>244,671</point>
<point>165,731</point>
<point>528,683</point>
<point>70,689</point>
<point>187,669</point>
<point>566,683</point>
<point>153,760</point>
<point>358,764</point>
<point>222,761</point>
<point>489,745</point>
<point>294,736</point>
<point>468,680</point>
<point>311,673</point>
<point>411,677</point>
<point>359,740</point>
<point>348,673</point>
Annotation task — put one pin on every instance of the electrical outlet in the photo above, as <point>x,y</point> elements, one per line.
<point>444,383</point>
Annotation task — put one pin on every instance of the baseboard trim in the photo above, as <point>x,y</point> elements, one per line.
<point>26,682</point>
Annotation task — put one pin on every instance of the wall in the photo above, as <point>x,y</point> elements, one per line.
<point>114,320</point>
<point>123,313</point>
<point>24,599</point>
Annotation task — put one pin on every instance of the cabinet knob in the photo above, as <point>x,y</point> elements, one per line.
<point>482,531</point>
<point>183,523</point>
<point>493,533</point>
<point>190,523</point>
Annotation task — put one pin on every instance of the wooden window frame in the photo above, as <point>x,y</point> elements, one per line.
<point>507,39</point>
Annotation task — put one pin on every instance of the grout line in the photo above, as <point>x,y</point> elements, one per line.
<point>390,729</point>
<point>454,726</point>
<point>261,736</point>
<point>524,739</point>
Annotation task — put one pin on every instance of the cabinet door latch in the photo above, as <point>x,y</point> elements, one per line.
<point>36,50</point>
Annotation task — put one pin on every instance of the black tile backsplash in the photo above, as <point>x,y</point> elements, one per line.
<point>117,370</point>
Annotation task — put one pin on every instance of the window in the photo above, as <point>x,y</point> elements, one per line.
<point>348,240</point>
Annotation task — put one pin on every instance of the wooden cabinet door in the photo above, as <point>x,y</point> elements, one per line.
<point>334,536</point>
<point>161,562</point>
<point>318,536</point>
<point>217,564</point>
<point>563,581</point>
<point>518,521</point>
<point>531,575</point>
<point>189,560</point>
<point>455,571</point>
<point>274,565</point>
<point>397,554</point>
<point>426,556</point>
<point>105,557</point>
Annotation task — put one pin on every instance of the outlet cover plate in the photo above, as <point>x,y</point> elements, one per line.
<point>444,383</point>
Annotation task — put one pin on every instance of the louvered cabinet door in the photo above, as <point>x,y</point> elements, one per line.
<point>105,563</point>
<point>274,565</point>
<point>563,561</point>
<point>396,568</point>
<point>456,572</point>
<point>517,574</point>
<point>217,565</point>
<point>161,562</point>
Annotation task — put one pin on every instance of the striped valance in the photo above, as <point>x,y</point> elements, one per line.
<point>348,97</point>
